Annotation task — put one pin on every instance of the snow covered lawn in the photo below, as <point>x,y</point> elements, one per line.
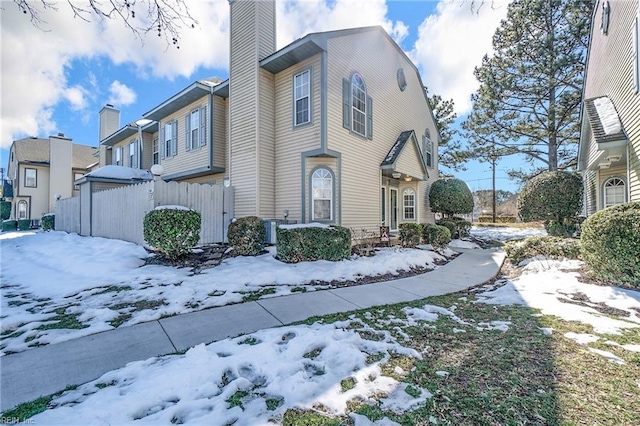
<point>58,286</point>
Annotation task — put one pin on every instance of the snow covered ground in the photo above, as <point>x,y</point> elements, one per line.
<point>501,233</point>
<point>254,379</point>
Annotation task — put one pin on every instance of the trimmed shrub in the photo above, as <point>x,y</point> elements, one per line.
<point>450,225</point>
<point>611,244</point>
<point>24,224</point>
<point>247,235</point>
<point>554,198</point>
<point>48,222</point>
<point>450,197</point>
<point>313,243</point>
<point>552,247</point>
<point>499,219</point>
<point>409,234</point>
<point>463,228</point>
<point>436,235</point>
<point>173,232</point>
<point>5,210</point>
<point>9,225</point>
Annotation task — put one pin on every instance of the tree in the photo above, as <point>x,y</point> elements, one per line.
<point>530,91</point>
<point>166,17</point>
<point>450,152</point>
<point>554,198</point>
<point>450,197</point>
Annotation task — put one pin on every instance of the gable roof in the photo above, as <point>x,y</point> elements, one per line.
<point>604,120</point>
<point>36,151</point>
<point>186,96</point>
<point>398,147</point>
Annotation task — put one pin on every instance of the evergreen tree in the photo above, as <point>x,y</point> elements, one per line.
<point>530,90</point>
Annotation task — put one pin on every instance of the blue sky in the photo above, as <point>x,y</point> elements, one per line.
<point>57,79</point>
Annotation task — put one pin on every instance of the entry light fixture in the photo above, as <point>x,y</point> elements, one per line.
<point>396,175</point>
<point>614,158</point>
<point>407,179</point>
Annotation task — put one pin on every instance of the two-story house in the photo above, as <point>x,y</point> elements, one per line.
<point>609,152</point>
<point>334,128</point>
<point>43,170</point>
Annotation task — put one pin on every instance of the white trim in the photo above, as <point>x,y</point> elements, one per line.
<point>303,95</point>
<point>391,228</point>
<point>327,176</point>
<point>409,191</point>
<point>355,110</point>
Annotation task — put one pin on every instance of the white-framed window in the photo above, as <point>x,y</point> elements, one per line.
<point>409,204</point>
<point>427,147</point>
<point>117,156</point>
<point>169,139</point>
<point>358,105</point>
<point>322,195</point>
<point>132,155</point>
<point>30,178</point>
<point>77,176</point>
<point>302,98</point>
<point>22,209</point>
<point>195,128</point>
<point>614,192</point>
<point>156,151</point>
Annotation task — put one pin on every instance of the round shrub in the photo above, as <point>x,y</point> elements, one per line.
<point>611,244</point>
<point>450,197</point>
<point>409,234</point>
<point>247,235</point>
<point>173,232</point>
<point>24,224</point>
<point>547,246</point>
<point>436,235</point>
<point>5,210</point>
<point>9,225</point>
<point>48,222</point>
<point>450,225</point>
<point>554,198</point>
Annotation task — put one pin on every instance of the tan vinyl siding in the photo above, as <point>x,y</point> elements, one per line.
<point>39,201</point>
<point>610,72</point>
<point>590,191</point>
<point>290,140</point>
<point>409,161</point>
<point>185,160</point>
<point>377,60</point>
<point>216,179</point>
<point>266,155</point>
<point>220,106</point>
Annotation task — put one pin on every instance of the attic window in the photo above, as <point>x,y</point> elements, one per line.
<point>402,81</point>
<point>604,24</point>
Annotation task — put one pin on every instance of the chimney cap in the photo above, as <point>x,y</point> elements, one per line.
<point>60,134</point>
<point>110,106</point>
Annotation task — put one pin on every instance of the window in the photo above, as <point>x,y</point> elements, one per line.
<point>22,209</point>
<point>383,205</point>
<point>77,176</point>
<point>156,152</point>
<point>359,105</point>
<point>615,192</point>
<point>427,148</point>
<point>409,204</point>
<point>117,154</point>
<point>604,23</point>
<point>195,129</point>
<point>322,195</point>
<point>169,139</point>
<point>302,98</point>
<point>132,155</point>
<point>30,178</point>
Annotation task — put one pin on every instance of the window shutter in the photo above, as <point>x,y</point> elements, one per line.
<point>369,117</point>
<point>113,155</point>
<point>174,138</point>
<point>187,135</point>
<point>162,142</point>
<point>136,155</point>
<point>203,125</point>
<point>346,104</point>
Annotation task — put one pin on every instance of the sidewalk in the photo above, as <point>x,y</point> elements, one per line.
<point>28,375</point>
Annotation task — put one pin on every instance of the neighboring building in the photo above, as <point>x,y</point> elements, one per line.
<point>609,153</point>
<point>333,128</point>
<point>41,169</point>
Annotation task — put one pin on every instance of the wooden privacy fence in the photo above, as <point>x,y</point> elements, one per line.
<point>68,215</point>
<point>119,212</point>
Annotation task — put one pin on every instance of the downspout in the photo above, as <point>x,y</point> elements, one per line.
<point>210,154</point>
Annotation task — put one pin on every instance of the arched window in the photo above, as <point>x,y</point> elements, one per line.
<point>409,204</point>
<point>22,209</point>
<point>322,195</point>
<point>358,105</point>
<point>427,148</point>
<point>615,192</point>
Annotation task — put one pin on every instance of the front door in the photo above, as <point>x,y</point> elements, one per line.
<point>393,203</point>
<point>383,204</point>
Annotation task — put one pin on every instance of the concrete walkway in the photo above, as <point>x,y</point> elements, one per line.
<point>28,375</point>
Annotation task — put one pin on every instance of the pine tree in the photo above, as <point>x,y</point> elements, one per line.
<point>530,90</point>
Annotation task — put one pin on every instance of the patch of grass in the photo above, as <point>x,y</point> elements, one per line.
<point>299,290</point>
<point>413,391</point>
<point>235,400</point>
<point>313,354</point>
<point>119,320</point>
<point>251,341</point>
<point>103,385</point>
<point>114,289</point>
<point>29,409</point>
<point>373,358</point>
<point>17,302</point>
<point>294,417</point>
<point>139,305</point>
<point>216,293</point>
<point>10,334</point>
<point>274,403</point>
<point>347,384</point>
<point>63,321</point>
<point>252,296</point>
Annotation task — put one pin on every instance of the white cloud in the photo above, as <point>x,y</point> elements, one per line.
<point>121,95</point>
<point>451,44</point>
<point>76,97</point>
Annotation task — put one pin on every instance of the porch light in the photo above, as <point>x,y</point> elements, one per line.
<point>614,158</point>
<point>407,179</point>
<point>604,165</point>
<point>396,175</point>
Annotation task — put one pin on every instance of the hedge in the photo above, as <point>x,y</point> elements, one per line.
<point>9,225</point>
<point>247,235</point>
<point>5,210</point>
<point>436,235</point>
<point>499,219</point>
<point>173,232</point>
<point>313,243</point>
<point>547,246</point>
<point>48,222</point>
<point>409,234</point>
<point>611,244</point>
<point>24,224</point>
